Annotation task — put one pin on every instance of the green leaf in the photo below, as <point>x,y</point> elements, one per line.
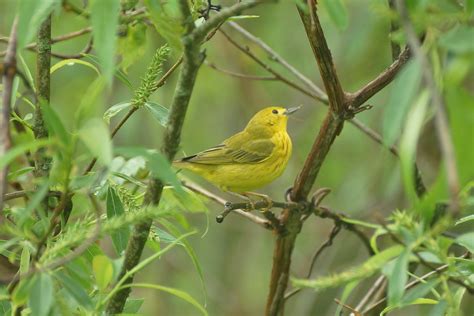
<point>41,296</point>
<point>95,136</point>
<point>104,20</point>
<point>458,40</point>
<point>31,13</point>
<point>337,11</point>
<point>55,125</point>
<point>189,250</point>
<point>403,91</point>
<point>398,278</point>
<point>103,271</point>
<point>22,291</point>
<point>115,208</point>
<point>133,46</point>
<point>25,260</point>
<point>409,140</point>
<point>114,110</point>
<point>418,292</point>
<point>34,202</point>
<point>345,294</point>
<point>75,289</point>
<point>89,107</point>
<point>22,148</point>
<point>465,219</point>
<point>419,301</point>
<point>178,293</point>
<point>143,264</point>
<point>133,305</point>
<point>467,241</point>
<point>158,111</point>
<point>72,62</point>
<point>13,175</point>
<point>166,22</point>
<point>157,163</point>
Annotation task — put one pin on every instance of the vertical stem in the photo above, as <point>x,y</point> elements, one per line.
<point>43,65</point>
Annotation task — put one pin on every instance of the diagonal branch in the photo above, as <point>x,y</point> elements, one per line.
<point>323,57</point>
<point>359,97</point>
<point>276,57</point>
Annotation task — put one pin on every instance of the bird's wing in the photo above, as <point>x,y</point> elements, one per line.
<point>236,149</point>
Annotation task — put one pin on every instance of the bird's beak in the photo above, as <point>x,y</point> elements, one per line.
<point>292,110</point>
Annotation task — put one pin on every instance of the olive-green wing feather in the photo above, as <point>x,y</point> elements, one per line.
<point>237,149</point>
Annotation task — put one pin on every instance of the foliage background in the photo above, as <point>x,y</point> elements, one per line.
<point>365,179</point>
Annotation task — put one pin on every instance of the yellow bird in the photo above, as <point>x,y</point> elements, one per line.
<point>249,159</point>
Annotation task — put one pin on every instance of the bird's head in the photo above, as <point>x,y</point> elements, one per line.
<point>273,118</point>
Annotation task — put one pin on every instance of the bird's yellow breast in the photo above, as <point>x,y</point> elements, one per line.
<point>241,177</point>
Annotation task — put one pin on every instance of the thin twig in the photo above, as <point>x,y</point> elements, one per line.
<point>20,194</point>
<point>441,120</point>
<point>61,38</point>
<point>9,72</point>
<point>334,231</point>
<point>379,283</point>
<point>219,200</point>
<point>359,97</point>
<point>86,50</point>
<point>239,75</point>
<point>246,50</point>
<point>276,57</point>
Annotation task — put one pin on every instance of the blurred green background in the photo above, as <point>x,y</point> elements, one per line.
<point>363,176</point>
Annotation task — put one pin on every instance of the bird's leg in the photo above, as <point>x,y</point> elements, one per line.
<point>264,197</point>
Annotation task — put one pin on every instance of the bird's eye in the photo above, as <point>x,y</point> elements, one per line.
<point>274,111</point>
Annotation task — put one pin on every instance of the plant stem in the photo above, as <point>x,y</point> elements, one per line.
<point>43,80</point>
<point>192,60</point>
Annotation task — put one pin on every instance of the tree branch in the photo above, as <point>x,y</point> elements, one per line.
<point>192,60</point>
<point>43,66</point>
<point>359,97</point>
<point>9,71</point>
<point>219,200</point>
<point>276,57</point>
<point>317,40</point>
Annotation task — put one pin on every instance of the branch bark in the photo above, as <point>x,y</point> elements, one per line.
<point>192,60</point>
<point>43,80</point>
<point>331,127</point>
<point>9,72</point>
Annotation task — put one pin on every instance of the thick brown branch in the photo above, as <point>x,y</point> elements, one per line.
<point>323,57</point>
